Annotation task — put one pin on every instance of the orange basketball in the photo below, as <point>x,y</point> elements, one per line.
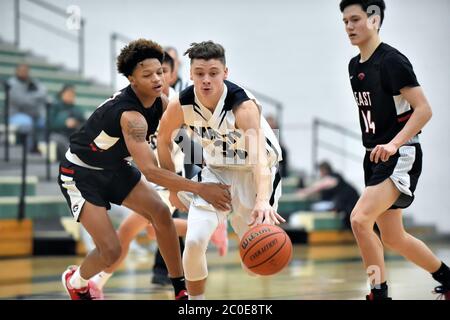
<point>265,249</point>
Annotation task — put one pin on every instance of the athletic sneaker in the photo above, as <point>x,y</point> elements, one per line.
<point>95,291</point>
<point>443,293</point>
<point>371,297</point>
<point>75,294</point>
<point>182,295</point>
<point>220,238</point>
<point>160,278</point>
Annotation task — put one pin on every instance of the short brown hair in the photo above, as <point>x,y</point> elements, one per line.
<point>206,50</point>
<point>135,52</point>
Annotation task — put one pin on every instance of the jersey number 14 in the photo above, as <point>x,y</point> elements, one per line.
<point>370,125</point>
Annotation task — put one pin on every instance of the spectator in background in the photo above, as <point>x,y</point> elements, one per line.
<point>335,194</point>
<point>176,82</point>
<point>284,164</point>
<point>65,119</point>
<point>27,105</point>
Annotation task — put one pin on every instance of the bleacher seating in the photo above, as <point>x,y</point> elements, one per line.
<point>53,77</point>
<point>17,238</point>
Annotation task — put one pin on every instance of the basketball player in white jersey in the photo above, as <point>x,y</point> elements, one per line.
<point>134,223</point>
<point>240,149</point>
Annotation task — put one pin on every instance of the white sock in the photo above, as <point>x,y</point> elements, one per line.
<point>101,278</point>
<point>76,281</point>
<point>199,297</point>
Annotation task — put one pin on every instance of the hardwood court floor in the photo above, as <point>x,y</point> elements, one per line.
<point>316,272</point>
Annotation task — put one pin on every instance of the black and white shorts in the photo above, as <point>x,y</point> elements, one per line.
<point>99,187</point>
<point>403,168</point>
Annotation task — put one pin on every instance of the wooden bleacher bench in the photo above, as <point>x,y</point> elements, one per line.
<point>321,227</point>
<point>16,237</point>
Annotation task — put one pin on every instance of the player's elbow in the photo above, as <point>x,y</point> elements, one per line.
<point>426,113</point>
<point>429,113</point>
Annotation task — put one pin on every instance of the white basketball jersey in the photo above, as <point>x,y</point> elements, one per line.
<point>177,154</point>
<point>223,144</point>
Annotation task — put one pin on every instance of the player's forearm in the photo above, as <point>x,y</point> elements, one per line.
<point>263,180</point>
<point>165,155</point>
<point>165,158</point>
<point>261,169</point>
<point>418,119</point>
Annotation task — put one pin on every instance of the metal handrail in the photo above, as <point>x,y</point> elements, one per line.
<point>22,201</point>
<point>50,7</point>
<point>276,103</point>
<point>317,143</point>
<point>48,106</point>
<point>79,39</point>
<point>5,86</point>
<point>48,27</point>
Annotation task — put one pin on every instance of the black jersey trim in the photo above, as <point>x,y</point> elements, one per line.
<point>235,96</point>
<point>223,117</point>
<point>187,96</point>
<point>276,182</point>
<point>197,109</point>
<point>271,146</point>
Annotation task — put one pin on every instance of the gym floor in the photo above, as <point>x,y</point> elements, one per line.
<point>315,273</point>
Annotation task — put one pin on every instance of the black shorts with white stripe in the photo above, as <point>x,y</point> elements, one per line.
<point>99,187</point>
<point>403,168</point>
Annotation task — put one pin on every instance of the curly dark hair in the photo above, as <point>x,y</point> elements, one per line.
<point>206,50</point>
<point>135,52</point>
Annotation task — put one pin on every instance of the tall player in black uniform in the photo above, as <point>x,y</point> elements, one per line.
<point>96,171</point>
<point>392,109</point>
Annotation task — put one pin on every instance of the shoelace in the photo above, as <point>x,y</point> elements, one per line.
<point>441,291</point>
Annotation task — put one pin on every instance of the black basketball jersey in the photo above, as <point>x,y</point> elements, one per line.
<point>376,84</point>
<point>99,142</point>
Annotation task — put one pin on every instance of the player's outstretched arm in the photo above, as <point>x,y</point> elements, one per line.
<point>248,120</point>
<point>170,124</point>
<point>134,129</point>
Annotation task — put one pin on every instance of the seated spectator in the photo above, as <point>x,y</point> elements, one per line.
<point>65,119</point>
<point>335,194</point>
<point>176,81</point>
<point>27,106</point>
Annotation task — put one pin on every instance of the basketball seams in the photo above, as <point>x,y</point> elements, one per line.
<point>278,250</point>
<point>259,240</point>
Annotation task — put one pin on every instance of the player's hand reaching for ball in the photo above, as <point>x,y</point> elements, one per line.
<point>263,213</point>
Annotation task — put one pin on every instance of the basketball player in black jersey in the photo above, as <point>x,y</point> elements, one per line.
<point>392,110</point>
<point>97,172</point>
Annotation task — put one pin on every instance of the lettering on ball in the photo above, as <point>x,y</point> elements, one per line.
<point>263,249</point>
<point>252,236</point>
